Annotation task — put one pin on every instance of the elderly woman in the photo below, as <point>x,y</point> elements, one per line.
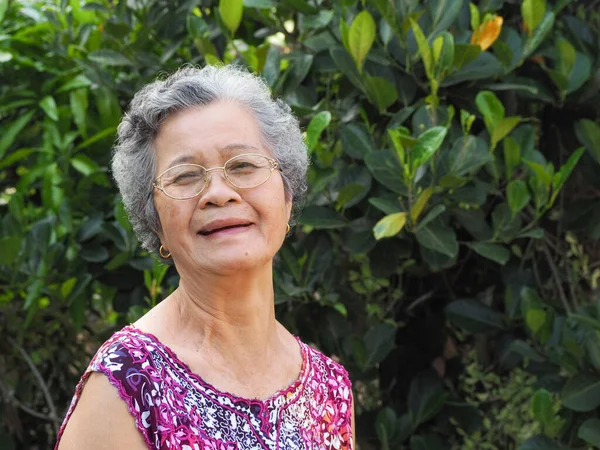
<point>209,167</point>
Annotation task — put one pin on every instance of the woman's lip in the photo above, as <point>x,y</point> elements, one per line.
<point>227,231</point>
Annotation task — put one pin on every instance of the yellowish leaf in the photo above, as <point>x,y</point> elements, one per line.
<point>390,225</point>
<point>418,207</point>
<point>487,33</point>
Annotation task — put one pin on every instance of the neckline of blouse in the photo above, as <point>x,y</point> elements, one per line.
<point>288,393</point>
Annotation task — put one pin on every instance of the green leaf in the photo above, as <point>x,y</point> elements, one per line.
<point>424,49</point>
<point>387,205</point>
<point>396,138</point>
<point>438,237</point>
<point>466,156</point>
<point>76,82</point>
<point>484,66</point>
<point>109,58</point>
<point>385,426</point>
<point>430,216</point>
<point>512,156</point>
<point>347,66</point>
<point>4,55</point>
<point>9,249</point>
<point>580,74</point>
<point>390,225</point>
<point>524,349</point>
<point>302,5</point>
<point>586,320</point>
<point>541,172</point>
<point>465,54</point>
<point>540,442</point>
<point>349,193</point>
<point>495,252</point>
<point>83,164</point>
<point>79,107</point>
<point>67,287</point>
<point>380,91</point>
<point>589,431</point>
<point>3,8</point>
<point>518,195</point>
<point>48,105</point>
<point>320,217</point>
<point>426,398</point>
<point>443,55</point>
<point>466,121</point>
<point>9,133</point>
<point>503,129</point>
<point>538,35</point>
<point>95,254</point>
<point>588,134</point>
<point>261,4</point>
<point>582,393</point>
<point>361,37</point>
<point>533,12</point>
<point>506,226</point>
<point>474,316</point>
<point>385,167</point>
<point>490,108</point>
<point>475,17</point>
<point>15,157</point>
<point>90,228</point>
<point>430,442</point>
<point>316,126</point>
<point>535,319</point>
<point>379,342</point>
<point>231,13</point>
<point>427,144</point>
<point>356,140</point>
<point>566,56</point>
<point>563,174</point>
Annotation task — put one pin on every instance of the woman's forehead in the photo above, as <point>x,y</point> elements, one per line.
<point>208,134</point>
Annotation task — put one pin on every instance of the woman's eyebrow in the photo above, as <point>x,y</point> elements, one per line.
<point>181,159</point>
<point>237,146</point>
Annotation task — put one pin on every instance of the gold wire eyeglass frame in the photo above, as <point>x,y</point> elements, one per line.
<point>158,182</point>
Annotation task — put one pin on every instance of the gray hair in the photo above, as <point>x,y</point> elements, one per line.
<point>134,162</point>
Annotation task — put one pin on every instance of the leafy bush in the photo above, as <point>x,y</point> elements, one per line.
<point>442,136</point>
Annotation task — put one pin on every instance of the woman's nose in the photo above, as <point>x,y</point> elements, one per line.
<point>218,191</point>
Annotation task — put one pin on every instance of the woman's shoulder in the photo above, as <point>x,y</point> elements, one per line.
<point>124,349</point>
<point>114,389</point>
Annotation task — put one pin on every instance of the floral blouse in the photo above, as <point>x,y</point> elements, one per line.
<point>174,408</point>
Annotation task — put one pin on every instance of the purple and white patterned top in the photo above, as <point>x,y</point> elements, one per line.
<point>174,408</point>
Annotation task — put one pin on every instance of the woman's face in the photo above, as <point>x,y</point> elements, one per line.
<point>210,136</point>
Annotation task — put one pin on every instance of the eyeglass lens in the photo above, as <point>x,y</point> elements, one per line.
<point>244,171</point>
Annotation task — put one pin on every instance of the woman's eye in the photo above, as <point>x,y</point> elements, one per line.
<point>242,165</point>
<point>186,178</point>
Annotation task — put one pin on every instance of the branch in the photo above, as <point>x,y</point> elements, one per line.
<point>19,404</point>
<point>556,276</point>
<point>52,416</point>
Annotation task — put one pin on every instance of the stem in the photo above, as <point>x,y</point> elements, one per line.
<point>556,276</point>
<point>53,416</point>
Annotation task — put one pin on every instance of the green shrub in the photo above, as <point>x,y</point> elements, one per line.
<point>444,137</point>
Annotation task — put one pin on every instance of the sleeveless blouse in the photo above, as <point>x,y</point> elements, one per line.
<point>176,409</point>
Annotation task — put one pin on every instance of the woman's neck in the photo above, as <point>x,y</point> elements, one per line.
<point>232,317</point>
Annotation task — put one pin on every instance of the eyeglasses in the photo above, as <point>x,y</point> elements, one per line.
<point>245,171</point>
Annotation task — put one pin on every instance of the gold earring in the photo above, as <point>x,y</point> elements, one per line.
<point>160,250</point>
<point>287,229</point>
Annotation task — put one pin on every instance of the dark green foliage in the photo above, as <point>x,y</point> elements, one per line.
<point>447,246</point>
